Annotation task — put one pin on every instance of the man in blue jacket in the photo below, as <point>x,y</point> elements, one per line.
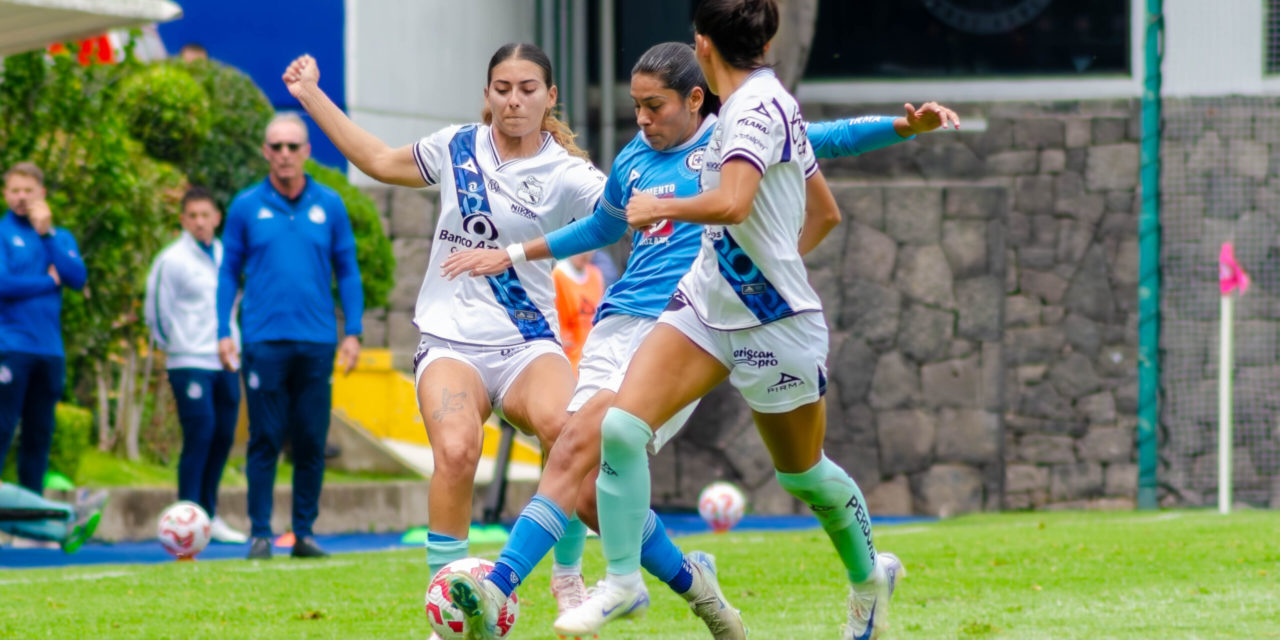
<point>288,236</point>
<point>36,260</point>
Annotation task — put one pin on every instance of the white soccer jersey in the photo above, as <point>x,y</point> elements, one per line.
<point>487,203</point>
<point>751,273</point>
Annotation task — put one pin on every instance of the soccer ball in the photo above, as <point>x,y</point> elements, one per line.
<point>447,620</point>
<point>184,529</point>
<point>721,505</point>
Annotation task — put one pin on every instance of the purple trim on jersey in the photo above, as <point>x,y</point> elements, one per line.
<point>745,155</point>
<point>786,133</point>
<point>422,165</point>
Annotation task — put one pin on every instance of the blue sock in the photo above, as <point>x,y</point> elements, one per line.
<point>662,558</point>
<point>569,547</point>
<point>443,549</point>
<point>536,530</point>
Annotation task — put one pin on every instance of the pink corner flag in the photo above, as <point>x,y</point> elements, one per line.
<point>1230,275</point>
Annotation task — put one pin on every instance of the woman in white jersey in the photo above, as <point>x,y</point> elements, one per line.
<point>487,344</point>
<point>745,311</point>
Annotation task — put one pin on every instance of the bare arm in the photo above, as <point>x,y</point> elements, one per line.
<point>821,214</point>
<point>363,149</point>
<point>729,203</point>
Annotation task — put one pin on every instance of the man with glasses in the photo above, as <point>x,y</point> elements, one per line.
<point>288,236</point>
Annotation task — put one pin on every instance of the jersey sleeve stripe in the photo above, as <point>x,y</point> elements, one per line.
<point>612,209</point>
<point>745,155</point>
<point>811,171</point>
<point>422,165</point>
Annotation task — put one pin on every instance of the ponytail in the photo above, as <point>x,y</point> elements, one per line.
<point>563,135</point>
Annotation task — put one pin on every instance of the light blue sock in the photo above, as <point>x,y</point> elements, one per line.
<point>443,549</point>
<point>622,489</point>
<point>662,558</point>
<point>536,530</point>
<point>569,546</point>
<point>834,498</point>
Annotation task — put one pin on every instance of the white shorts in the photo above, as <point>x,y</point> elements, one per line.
<point>605,356</point>
<point>776,367</point>
<point>498,367</point>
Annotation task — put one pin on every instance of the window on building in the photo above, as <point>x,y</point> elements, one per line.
<point>971,38</point>
<point>1273,36</point>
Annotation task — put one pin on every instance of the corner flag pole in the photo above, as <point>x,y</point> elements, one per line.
<point>1231,278</point>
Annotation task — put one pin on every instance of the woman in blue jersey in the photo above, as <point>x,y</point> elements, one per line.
<point>676,114</point>
<point>763,203</point>
<point>487,344</point>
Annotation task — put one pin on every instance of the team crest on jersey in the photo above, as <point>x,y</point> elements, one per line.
<point>19,242</point>
<point>316,214</point>
<point>265,214</point>
<point>530,190</point>
<point>693,161</point>
<point>6,376</point>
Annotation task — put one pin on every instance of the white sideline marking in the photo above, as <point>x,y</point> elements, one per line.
<point>74,576</point>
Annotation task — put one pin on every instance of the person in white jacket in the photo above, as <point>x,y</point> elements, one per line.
<point>181,310</point>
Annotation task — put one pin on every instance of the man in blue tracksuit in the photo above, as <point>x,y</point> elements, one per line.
<point>288,236</point>
<point>36,260</point>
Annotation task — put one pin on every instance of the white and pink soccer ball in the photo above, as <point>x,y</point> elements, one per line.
<point>446,619</point>
<point>184,529</point>
<point>721,505</point>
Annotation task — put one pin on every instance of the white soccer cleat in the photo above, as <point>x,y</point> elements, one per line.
<point>869,606</point>
<point>479,601</point>
<point>569,591</point>
<point>220,531</point>
<point>604,603</point>
<point>708,601</point>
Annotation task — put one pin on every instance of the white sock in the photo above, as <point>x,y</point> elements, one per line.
<point>559,571</point>
<point>631,581</point>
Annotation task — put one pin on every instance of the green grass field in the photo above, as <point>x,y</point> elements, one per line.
<point>1149,575</point>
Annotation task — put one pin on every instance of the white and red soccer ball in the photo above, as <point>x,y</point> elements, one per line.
<point>721,506</point>
<point>184,529</point>
<point>446,619</point>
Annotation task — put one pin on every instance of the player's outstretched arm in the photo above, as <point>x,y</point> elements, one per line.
<point>729,203</point>
<point>855,136</point>
<point>363,149</point>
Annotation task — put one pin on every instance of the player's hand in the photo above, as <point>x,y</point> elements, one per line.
<point>228,354</point>
<point>349,354</point>
<point>53,273</point>
<point>39,215</point>
<point>643,209</point>
<point>930,116</point>
<point>302,74</point>
<point>476,262</point>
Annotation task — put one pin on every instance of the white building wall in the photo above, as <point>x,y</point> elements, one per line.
<point>415,66</point>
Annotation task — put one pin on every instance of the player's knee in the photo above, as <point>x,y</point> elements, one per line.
<point>456,456</point>
<point>622,432</point>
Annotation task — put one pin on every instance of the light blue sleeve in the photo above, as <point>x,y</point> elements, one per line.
<point>605,226</point>
<point>839,138</point>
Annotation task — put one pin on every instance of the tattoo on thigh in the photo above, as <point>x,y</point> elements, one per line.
<point>449,403</point>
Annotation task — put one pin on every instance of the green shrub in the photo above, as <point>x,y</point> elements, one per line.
<point>72,429</point>
<point>167,111</point>
<point>373,249</point>
<point>230,158</point>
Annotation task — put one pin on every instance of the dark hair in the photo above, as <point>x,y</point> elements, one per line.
<point>675,65</point>
<point>739,29</point>
<point>198,193</point>
<point>550,123</point>
<point>193,46</point>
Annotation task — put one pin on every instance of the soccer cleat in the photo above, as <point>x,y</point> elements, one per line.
<point>260,549</point>
<point>88,513</point>
<point>708,601</point>
<point>869,606</point>
<point>220,531</point>
<point>569,592</point>
<point>604,603</point>
<point>479,601</point>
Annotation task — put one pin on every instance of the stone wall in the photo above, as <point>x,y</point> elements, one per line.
<point>982,300</point>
